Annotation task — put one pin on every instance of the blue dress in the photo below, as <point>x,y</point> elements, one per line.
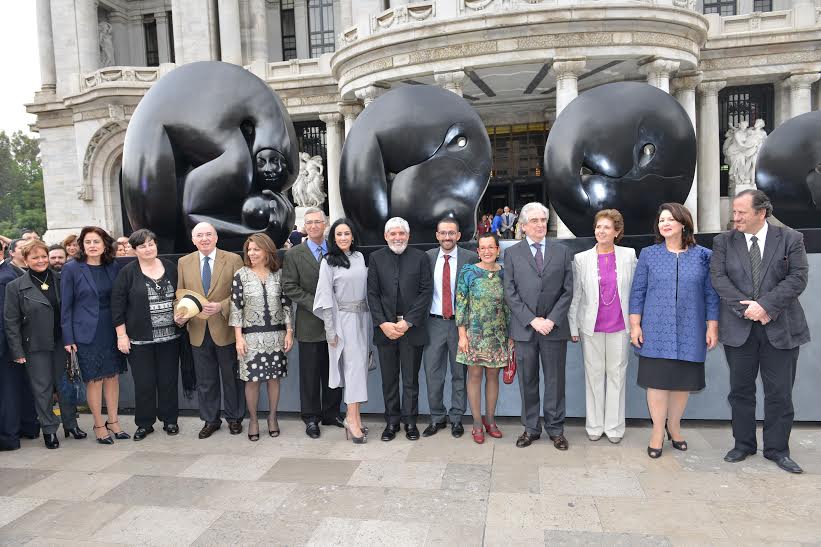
<point>101,359</point>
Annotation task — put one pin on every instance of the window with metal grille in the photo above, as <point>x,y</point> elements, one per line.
<point>288,30</point>
<point>737,104</point>
<point>762,5</point>
<point>722,7</point>
<point>152,50</point>
<point>321,26</point>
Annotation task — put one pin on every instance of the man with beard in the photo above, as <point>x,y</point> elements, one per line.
<point>399,296</point>
<point>56,257</point>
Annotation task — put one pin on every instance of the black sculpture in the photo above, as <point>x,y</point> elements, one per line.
<point>788,170</point>
<point>210,142</point>
<point>625,145</point>
<point>418,152</point>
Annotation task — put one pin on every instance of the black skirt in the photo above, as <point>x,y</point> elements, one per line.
<point>670,374</point>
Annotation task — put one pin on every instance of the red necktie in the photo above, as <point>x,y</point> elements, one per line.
<point>447,298</point>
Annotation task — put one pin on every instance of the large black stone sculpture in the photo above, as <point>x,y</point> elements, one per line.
<point>625,145</point>
<point>210,142</point>
<point>418,152</point>
<point>788,170</point>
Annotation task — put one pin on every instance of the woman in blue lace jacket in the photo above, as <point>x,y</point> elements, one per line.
<point>673,321</point>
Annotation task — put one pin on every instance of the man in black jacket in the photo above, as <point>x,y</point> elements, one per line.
<point>399,294</point>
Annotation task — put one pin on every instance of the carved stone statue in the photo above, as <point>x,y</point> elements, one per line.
<point>106,44</point>
<point>741,147</point>
<point>307,190</point>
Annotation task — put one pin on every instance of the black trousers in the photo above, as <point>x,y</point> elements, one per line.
<point>156,370</point>
<point>17,413</point>
<point>213,364</point>
<point>406,359</point>
<point>317,401</point>
<point>777,368</point>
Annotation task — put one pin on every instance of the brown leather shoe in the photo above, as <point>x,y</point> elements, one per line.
<point>208,430</point>
<point>526,439</point>
<point>559,441</point>
<point>235,428</point>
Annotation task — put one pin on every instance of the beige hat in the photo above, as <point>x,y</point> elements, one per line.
<point>190,303</point>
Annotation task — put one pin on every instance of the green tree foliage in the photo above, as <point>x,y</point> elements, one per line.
<point>22,202</point>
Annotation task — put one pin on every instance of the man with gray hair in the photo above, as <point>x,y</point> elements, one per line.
<point>399,295</point>
<point>538,290</point>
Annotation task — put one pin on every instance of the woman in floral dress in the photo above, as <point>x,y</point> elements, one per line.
<point>484,346</point>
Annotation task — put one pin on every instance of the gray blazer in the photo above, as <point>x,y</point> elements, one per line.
<point>463,256</point>
<point>530,294</point>
<point>300,274</point>
<point>784,272</point>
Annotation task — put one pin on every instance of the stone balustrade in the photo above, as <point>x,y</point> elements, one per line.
<point>402,14</point>
<point>757,22</point>
<point>295,67</point>
<point>120,76</point>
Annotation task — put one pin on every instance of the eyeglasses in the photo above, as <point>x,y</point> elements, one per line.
<point>448,234</point>
<point>204,236</point>
<point>314,222</point>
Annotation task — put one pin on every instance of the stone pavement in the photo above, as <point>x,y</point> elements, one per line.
<point>438,491</point>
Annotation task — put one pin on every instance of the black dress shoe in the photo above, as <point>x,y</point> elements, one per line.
<point>390,432</point>
<point>737,455</point>
<point>235,428</point>
<point>143,432</point>
<point>31,436</point>
<point>559,441</point>
<point>526,439</point>
<point>51,440</point>
<point>456,429</point>
<point>335,421</point>
<point>208,430</point>
<point>432,429</point>
<point>411,432</point>
<point>312,430</point>
<point>75,432</point>
<point>787,464</point>
<point>171,429</point>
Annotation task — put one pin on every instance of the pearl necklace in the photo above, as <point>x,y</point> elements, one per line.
<point>602,297</point>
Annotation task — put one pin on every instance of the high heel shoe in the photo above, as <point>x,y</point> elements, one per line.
<point>75,432</point>
<point>349,434</point>
<point>253,437</point>
<point>654,453</point>
<point>478,435</point>
<point>678,445</point>
<point>103,440</point>
<point>273,432</point>
<point>492,429</point>
<point>122,435</point>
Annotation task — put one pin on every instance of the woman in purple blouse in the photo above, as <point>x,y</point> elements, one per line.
<point>598,316</point>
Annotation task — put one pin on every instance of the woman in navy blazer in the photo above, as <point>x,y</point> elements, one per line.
<point>673,321</point>
<point>88,327</point>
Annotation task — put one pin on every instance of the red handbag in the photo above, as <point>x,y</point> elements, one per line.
<point>510,370</point>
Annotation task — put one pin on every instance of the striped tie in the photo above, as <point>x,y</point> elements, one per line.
<point>755,263</point>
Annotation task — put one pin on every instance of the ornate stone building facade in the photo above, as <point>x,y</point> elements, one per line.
<point>519,63</point>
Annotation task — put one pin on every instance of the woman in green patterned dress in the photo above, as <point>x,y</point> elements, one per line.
<point>483,319</point>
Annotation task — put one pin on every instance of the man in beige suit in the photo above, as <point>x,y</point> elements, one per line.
<point>210,271</point>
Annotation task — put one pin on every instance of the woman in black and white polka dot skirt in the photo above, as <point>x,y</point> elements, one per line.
<point>261,317</point>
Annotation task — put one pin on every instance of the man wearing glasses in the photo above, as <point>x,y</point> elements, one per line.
<point>443,335</point>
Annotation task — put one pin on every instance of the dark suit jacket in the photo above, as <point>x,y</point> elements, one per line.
<point>300,274</point>
<point>129,299</point>
<point>530,294</point>
<point>80,307</point>
<point>784,272</point>
<point>463,256</point>
<point>412,273</point>
<point>7,274</point>
<point>29,317</point>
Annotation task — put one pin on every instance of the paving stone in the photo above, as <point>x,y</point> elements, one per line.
<point>401,475</point>
<point>147,525</point>
<point>658,517</point>
<point>12,480</point>
<point>151,463</point>
<point>521,478</point>
<point>560,537</point>
<point>67,520</point>
<point>332,500</point>
<point>229,467</point>
<point>575,481</point>
<point>525,517</point>
<point>353,533</point>
<point>245,496</point>
<point>13,508</point>
<point>311,471</point>
<point>73,485</point>
<point>160,491</point>
<point>450,507</point>
<point>233,528</point>
<point>467,477</point>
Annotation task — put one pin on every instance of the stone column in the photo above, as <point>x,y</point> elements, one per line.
<point>781,100</point>
<point>349,111</point>
<point>346,14</point>
<point>684,87</point>
<point>195,32</point>
<point>801,92</point>
<point>258,11</point>
<point>368,94</point>
<point>303,46</point>
<point>121,34</point>
<point>658,73</point>
<point>230,37</point>
<point>452,81</point>
<point>709,188</point>
<point>333,148</point>
<point>164,44</point>
<point>567,88</point>
<point>275,32</point>
<point>45,43</point>
<point>88,43</point>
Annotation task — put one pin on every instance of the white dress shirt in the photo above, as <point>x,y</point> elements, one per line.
<point>762,237</point>
<point>530,246</point>
<point>436,303</point>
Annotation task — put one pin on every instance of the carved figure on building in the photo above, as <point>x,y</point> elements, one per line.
<point>789,170</point>
<point>106,44</point>
<point>741,146</point>
<point>210,142</point>
<point>307,190</point>
<point>418,152</point>
<point>625,145</point>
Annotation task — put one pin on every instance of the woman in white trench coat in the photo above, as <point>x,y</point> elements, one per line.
<point>341,302</point>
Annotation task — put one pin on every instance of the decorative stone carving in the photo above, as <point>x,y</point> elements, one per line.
<point>741,147</point>
<point>120,75</point>
<point>307,190</point>
<point>658,72</point>
<point>85,192</point>
<point>452,81</point>
<point>106,44</point>
<point>687,4</point>
<point>349,35</point>
<point>368,94</point>
<point>404,13</point>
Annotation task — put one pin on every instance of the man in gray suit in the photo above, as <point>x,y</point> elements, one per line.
<point>538,291</point>
<point>443,336</point>
<point>759,270</point>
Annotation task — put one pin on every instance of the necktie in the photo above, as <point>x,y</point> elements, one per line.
<point>206,275</point>
<point>539,258</point>
<point>755,263</point>
<point>319,254</point>
<point>447,297</point>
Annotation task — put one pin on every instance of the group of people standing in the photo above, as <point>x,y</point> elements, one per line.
<point>447,309</point>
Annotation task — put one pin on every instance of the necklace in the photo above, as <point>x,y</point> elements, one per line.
<point>43,282</point>
<point>602,297</point>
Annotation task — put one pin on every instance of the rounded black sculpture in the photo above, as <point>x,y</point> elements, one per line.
<point>418,152</point>
<point>210,142</point>
<point>788,170</point>
<point>625,145</point>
